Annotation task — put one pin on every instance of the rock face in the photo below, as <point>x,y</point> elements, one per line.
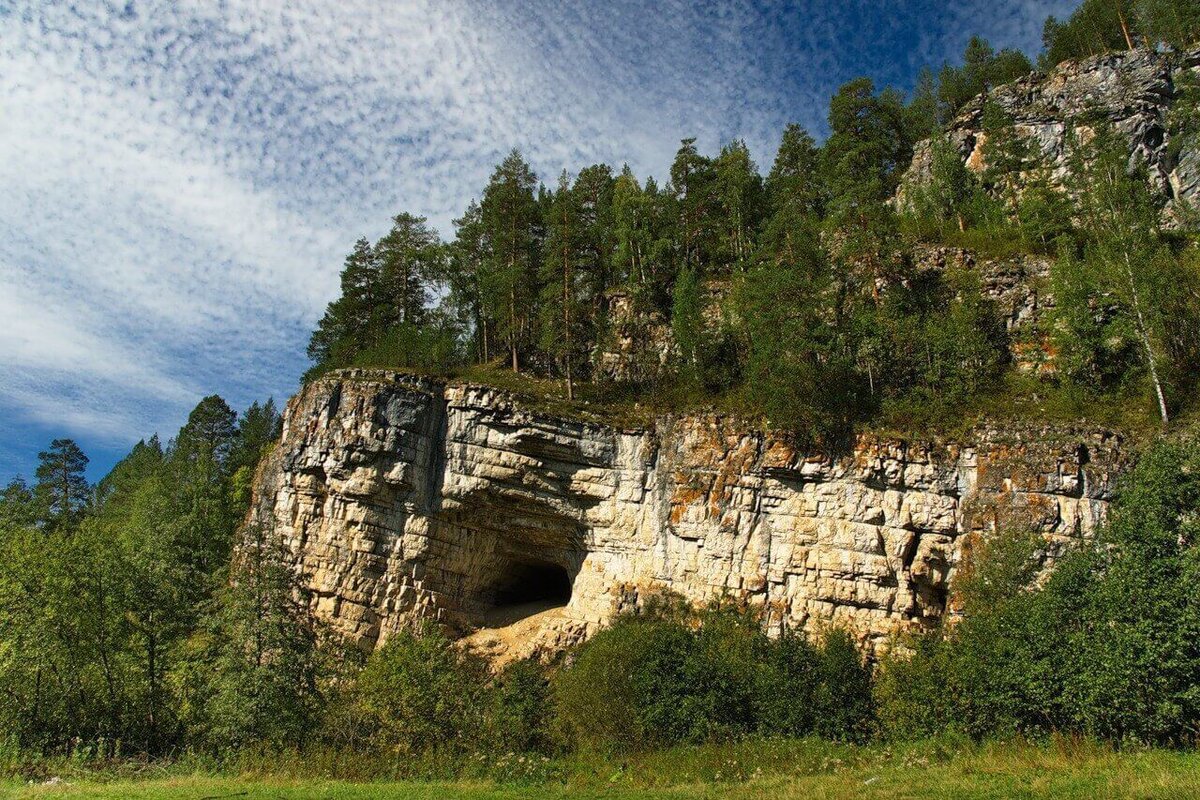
<point>1134,91</point>
<point>402,498</point>
<point>1019,286</point>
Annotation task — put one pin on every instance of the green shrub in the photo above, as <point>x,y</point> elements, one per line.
<point>786,702</point>
<point>843,706</point>
<point>418,692</point>
<point>664,681</point>
<point>911,696</point>
<point>520,712</point>
<point>622,685</point>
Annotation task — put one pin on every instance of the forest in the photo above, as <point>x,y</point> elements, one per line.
<point>139,616</point>
<point>794,298</point>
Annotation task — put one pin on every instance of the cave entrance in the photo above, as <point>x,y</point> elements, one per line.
<point>525,587</point>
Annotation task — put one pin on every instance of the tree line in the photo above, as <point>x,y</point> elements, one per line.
<point>795,291</point>
<point>125,618</point>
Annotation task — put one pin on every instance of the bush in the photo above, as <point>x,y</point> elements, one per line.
<point>843,706</point>
<point>520,712</point>
<point>419,693</point>
<point>786,701</point>
<point>658,682</point>
<point>1105,646</point>
<point>911,694</point>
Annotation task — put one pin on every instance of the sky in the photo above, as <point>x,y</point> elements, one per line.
<point>181,180</point>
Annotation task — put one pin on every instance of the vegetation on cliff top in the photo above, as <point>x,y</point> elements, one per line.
<point>795,297</point>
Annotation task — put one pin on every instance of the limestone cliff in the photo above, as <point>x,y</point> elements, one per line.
<point>1134,91</point>
<point>402,498</point>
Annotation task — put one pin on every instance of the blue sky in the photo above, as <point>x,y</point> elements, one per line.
<point>181,180</point>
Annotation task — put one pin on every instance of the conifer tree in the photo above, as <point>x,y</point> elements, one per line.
<point>62,490</point>
<point>631,230</point>
<point>410,257</point>
<point>692,189</point>
<point>466,266</point>
<point>561,308</point>
<point>593,192</point>
<point>510,218</point>
<point>346,326</point>
<point>738,196</point>
<point>862,158</point>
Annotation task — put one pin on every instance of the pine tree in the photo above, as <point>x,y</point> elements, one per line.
<point>18,508</point>
<point>593,191</point>
<point>199,463</point>
<point>794,181</point>
<point>738,192</point>
<point>466,265</point>
<point>562,311</point>
<point>62,490</point>
<point>692,189</point>
<point>631,231</point>
<point>510,218</point>
<point>410,257</point>
<point>347,326</point>
<point>794,197</point>
<point>862,159</point>
<point>923,111</point>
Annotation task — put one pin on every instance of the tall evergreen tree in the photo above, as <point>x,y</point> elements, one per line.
<point>62,490</point>
<point>692,179</point>
<point>510,218</point>
<point>862,158</point>
<point>466,265</point>
<point>738,190</point>
<point>923,109</point>
<point>593,192</point>
<point>410,257</point>
<point>347,325</point>
<point>561,306</point>
<point>631,230</point>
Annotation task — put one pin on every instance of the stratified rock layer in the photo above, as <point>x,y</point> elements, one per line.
<point>403,498</point>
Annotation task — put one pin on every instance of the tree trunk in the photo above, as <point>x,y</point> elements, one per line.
<point>512,328</point>
<point>1124,28</point>
<point>1144,336</point>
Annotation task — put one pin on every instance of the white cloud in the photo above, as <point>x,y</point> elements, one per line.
<point>182,179</point>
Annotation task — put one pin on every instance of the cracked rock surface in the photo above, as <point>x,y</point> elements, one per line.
<point>403,498</point>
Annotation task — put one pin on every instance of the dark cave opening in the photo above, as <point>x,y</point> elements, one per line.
<point>529,582</point>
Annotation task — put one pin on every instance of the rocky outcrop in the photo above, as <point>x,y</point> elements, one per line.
<point>402,498</point>
<point>638,345</point>
<point>1019,288</point>
<point>1134,91</point>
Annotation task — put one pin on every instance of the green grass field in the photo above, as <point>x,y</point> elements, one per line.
<point>748,770</point>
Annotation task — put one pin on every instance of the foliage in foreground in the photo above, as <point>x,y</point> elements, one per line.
<point>1107,646</point>
<point>752,768</point>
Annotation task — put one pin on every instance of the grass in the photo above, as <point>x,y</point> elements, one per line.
<point>757,768</point>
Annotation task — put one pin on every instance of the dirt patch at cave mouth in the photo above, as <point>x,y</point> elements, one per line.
<point>507,633</point>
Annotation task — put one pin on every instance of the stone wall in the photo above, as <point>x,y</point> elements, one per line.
<point>403,498</point>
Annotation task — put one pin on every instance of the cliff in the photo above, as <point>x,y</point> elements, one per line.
<point>402,498</point>
<point>1135,91</point>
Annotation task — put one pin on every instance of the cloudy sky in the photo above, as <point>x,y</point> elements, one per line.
<point>179,181</point>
